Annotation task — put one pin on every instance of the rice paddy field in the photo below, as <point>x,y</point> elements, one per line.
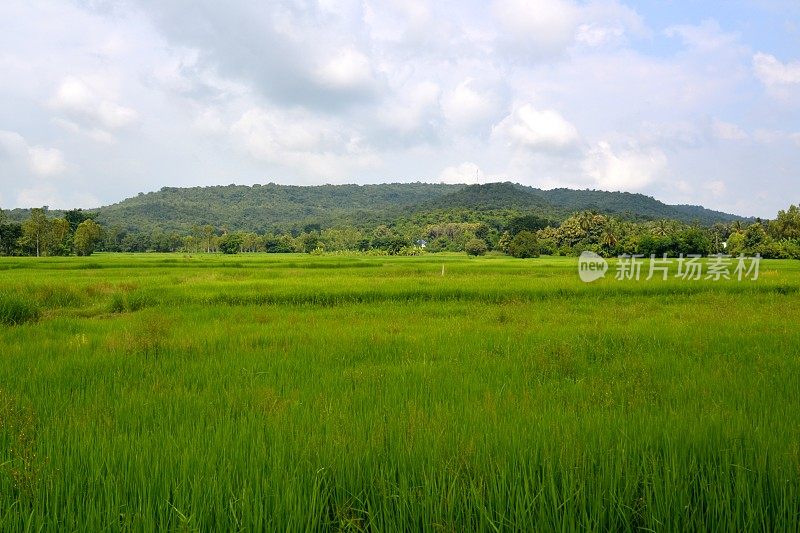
<point>434,393</point>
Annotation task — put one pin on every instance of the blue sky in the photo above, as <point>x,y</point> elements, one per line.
<point>688,101</point>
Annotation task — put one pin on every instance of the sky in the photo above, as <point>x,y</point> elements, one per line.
<point>687,101</point>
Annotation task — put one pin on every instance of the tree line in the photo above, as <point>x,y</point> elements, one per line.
<point>518,234</point>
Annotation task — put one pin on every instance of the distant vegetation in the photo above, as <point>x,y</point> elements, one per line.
<point>397,219</point>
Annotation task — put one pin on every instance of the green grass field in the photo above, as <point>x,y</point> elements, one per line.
<point>263,392</point>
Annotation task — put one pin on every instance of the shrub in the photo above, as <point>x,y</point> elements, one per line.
<point>475,247</point>
<point>409,251</point>
<point>524,244</point>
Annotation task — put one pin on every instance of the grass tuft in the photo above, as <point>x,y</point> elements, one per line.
<point>15,310</point>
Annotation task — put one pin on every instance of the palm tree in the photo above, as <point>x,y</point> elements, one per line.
<point>585,220</point>
<point>661,228</point>
<point>609,237</point>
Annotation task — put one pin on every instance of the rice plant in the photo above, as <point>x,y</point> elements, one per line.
<point>322,393</point>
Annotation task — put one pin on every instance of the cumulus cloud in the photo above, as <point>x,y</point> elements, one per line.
<point>77,98</point>
<point>157,94</point>
<point>347,69</point>
<point>537,130</point>
<point>467,106</point>
<point>464,173</point>
<point>543,26</point>
<point>39,160</point>
<point>309,144</point>
<point>629,169</point>
<point>413,110</point>
<point>773,73</point>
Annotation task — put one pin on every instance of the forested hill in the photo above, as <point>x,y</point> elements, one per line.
<point>630,205</point>
<point>272,207</point>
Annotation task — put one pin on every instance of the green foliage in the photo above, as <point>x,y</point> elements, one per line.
<point>77,216</point>
<point>37,232</point>
<point>475,247</point>
<point>10,236</point>
<point>446,222</point>
<point>87,235</point>
<point>787,224</point>
<point>281,209</point>
<point>527,223</point>
<point>230,243</point>
<point>309,242</point>
<point>524,245</point>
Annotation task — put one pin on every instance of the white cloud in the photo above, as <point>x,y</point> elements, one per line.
<point>597,35</point>
<point>347,69</point>
<point>95,134</point>
<point>538,130</point>
<point>39,160</point>
<point>773,73</point>
<point>464,173</point>
<point>707,36</point>
<point>308,145</point>
<point>415,107</point>
<point>85,104</point>
<point>628,169</point>
<point>547,26</point>
<point>209,121</point>
<point>46,161</point>
<point>38,196</point>
<point>716,187</point>
<point>466,107</point>
<point>360,90</point>
<point>728,131</point>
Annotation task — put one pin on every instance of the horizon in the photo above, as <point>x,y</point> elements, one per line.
<point>687,102</point>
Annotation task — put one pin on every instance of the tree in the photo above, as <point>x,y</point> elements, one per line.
<point>87,235</point>
<point>524,244</point>
<point>694,241</point>
<point>525,223</point>
<point>60,237</point>
<point>754,236</point>
<point>309,242</point>
<point>609,237</point>
<point>36,231</point>
<point>75,217</point>
<point>504,242</point>
<point>787,224</point>
<point>735,244</point>
<point>230,243</point>
<point>208,236</point>
<point>475,247</point>
<point>10,234</point>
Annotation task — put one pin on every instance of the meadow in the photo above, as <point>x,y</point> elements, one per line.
<point>435,393</point>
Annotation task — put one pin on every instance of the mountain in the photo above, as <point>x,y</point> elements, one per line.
<point>630,205</point>
<point>489,196</point>
<point>274,207</point>
<point>269,207</point>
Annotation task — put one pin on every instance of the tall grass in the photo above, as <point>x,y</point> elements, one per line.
<point>297,393</point>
